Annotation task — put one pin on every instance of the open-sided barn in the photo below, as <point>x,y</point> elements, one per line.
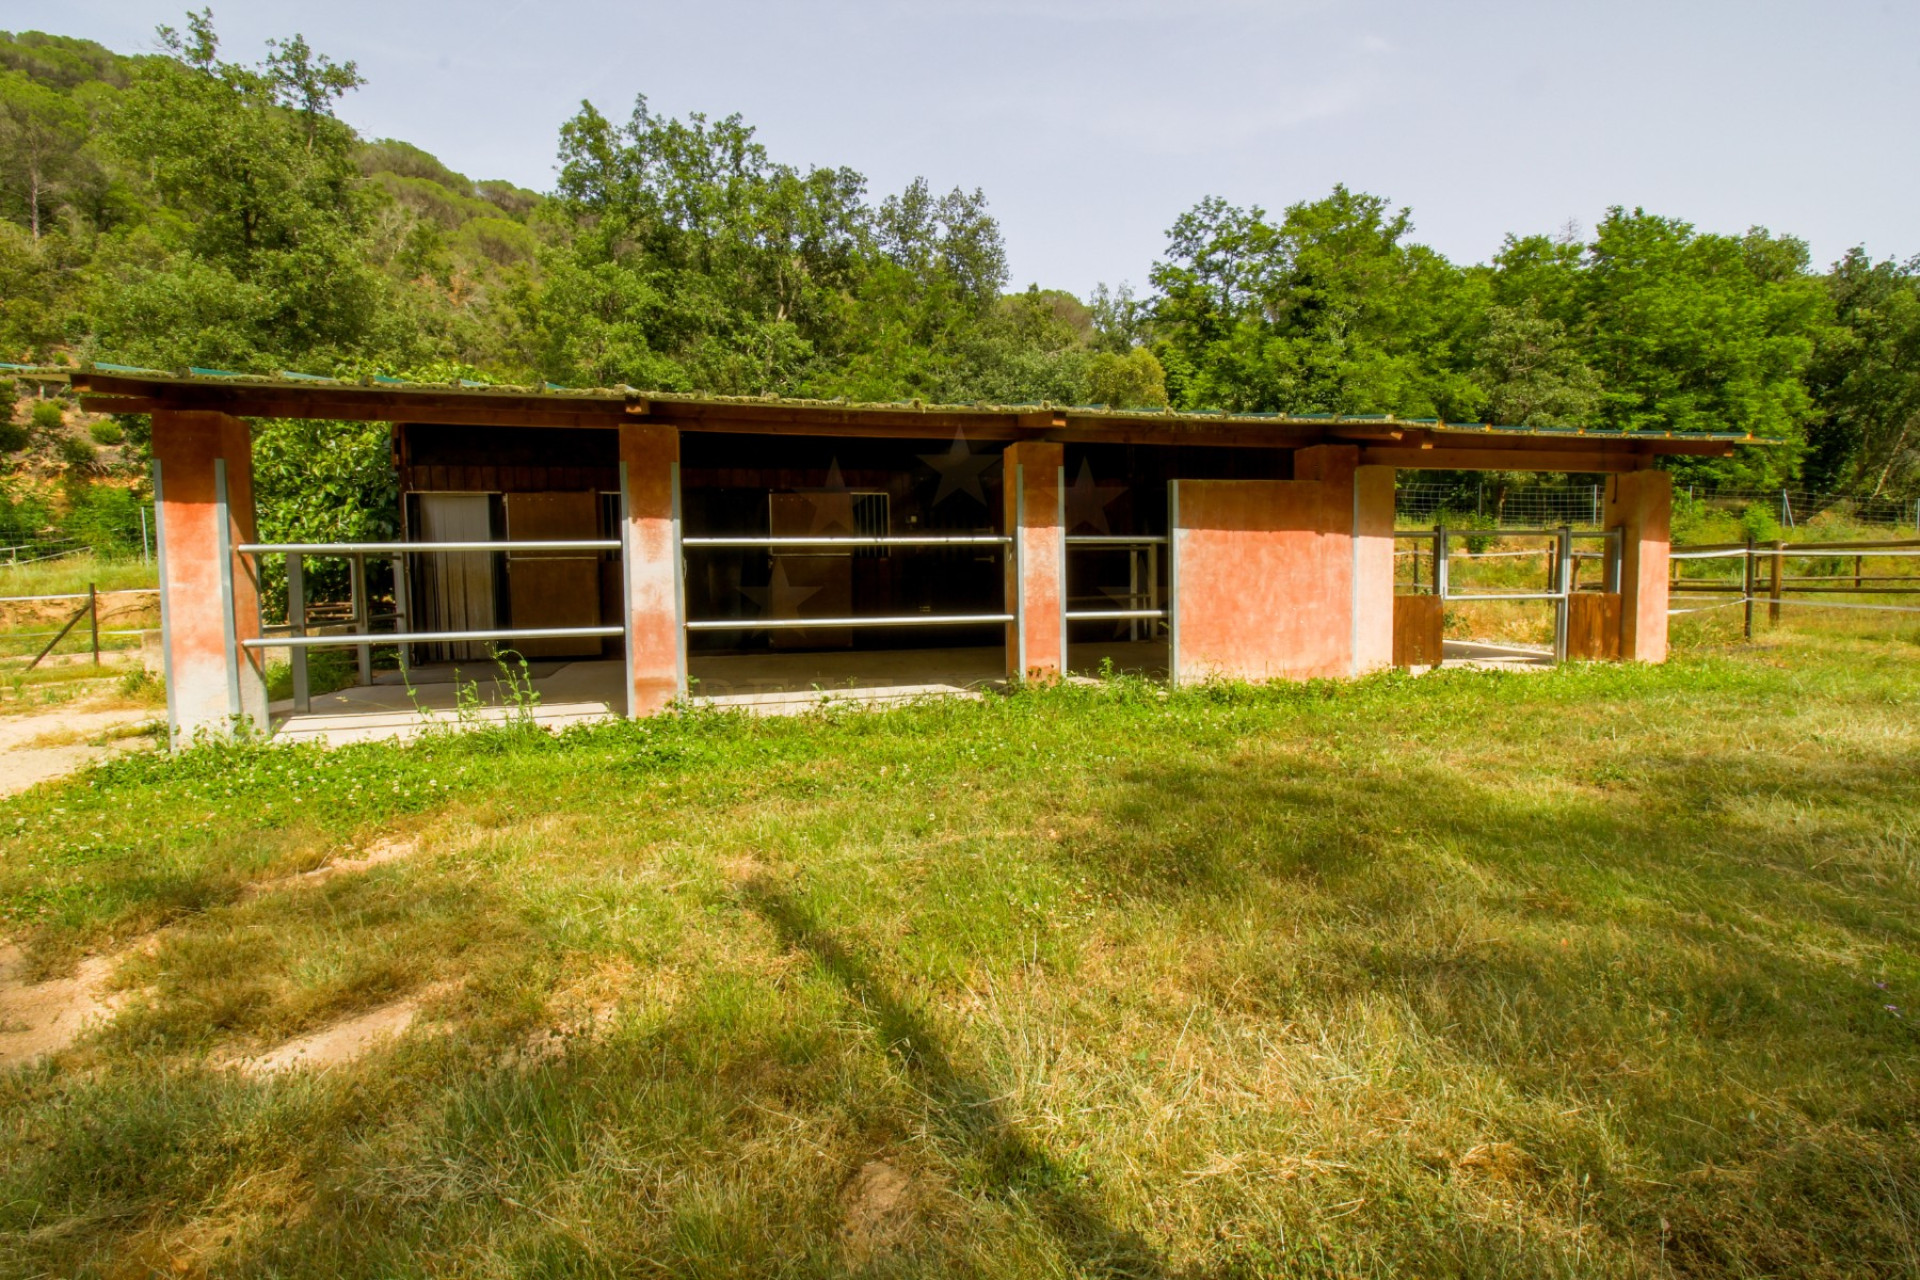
<point>652,533</point>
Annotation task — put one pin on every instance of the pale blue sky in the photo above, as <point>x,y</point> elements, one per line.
<point>1091,126</point>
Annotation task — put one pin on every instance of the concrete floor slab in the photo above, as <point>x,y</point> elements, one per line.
<point>449,697</point>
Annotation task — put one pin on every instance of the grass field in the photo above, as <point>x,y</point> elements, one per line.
<point>1605,971</point>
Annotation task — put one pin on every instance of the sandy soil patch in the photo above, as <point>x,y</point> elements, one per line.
<point>38,745</point>
<point>878,1207</point>
<point>345,1041</point>
<point>391,849</point>
<point>40,1018</point>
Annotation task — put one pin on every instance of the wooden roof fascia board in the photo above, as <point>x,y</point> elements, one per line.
<point>1443,458</point>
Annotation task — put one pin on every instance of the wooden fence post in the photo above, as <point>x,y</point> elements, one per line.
<point>1773,589</point>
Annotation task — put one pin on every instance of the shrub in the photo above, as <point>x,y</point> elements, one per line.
<point>13,437</point>
<point>48,415</point>
<point>76,453</point>
<point>106,431</point>
<point>1757,522</point>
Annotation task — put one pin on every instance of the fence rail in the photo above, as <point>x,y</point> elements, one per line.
<point>1777,588</point>
<point>1425,501</point>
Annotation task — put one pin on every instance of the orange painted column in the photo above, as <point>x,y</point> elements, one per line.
<point>209,593</point>
<point>1372,569</point>
<point>1640,504</point>
<point>1264,572</point>
<point>1037,562</point>
<point>650,559</point>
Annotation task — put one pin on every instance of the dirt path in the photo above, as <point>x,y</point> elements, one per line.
<point>55,741</point>
<point>45,1017</point>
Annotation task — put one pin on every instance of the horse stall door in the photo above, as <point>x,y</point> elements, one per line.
<point>554,588</point>
<point>813,585</point>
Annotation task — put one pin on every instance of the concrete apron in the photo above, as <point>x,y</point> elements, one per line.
<point>582,692</point>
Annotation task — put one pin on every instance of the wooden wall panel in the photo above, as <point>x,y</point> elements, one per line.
<point>1417,631</point>
<point>1593,626</point>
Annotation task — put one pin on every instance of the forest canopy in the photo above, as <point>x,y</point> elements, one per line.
<point>177,208</point>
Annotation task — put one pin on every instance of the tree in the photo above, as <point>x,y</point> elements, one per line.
<point>1532,370</point>
<point>1700,332</point>
<point>1865,379</point>
<point>690,259</point>
<point>257,250</point>
<point>41,133</point>
<point>1329,310</point>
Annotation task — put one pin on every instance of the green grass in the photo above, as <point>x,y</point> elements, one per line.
<point>71,574</point>
<point>1608,971</point>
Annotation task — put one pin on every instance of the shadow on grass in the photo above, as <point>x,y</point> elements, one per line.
<point>966,1118</point>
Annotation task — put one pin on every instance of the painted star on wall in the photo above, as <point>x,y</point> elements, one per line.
<point>779,598</point>
<point>833,505</point>
<point>960,470</point>
<point>1087,502</point>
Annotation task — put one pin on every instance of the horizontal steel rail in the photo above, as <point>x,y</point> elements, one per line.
<point>929,540</point>
<point>784,624</point>
<point>428,637</point>
<point>419,548</point>
<point>1116,540</point>
<point>1505,533</point>
<point>1508,595</point>
<point>1112,615</point>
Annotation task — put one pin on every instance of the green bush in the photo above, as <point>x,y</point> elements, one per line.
<point>106,431</point>
<point>13,436</point>
<point>76,452</point>
<point>48,415</point>
<point>1757,522</point>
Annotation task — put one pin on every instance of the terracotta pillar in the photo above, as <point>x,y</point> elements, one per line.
<point>1264,572</point>
<point>1640,504</point>
<point>650,562</point>
<point>1037,562</point>
<point>209,593</point>
<point>1372,569</point>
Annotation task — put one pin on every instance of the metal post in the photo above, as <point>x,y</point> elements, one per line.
<point>1749,576</point>
<point>1133,590</point>
<point>1153,589</point>
<point>1773,590</point>
<point>297,626</point>
<point>402,611</point>
<point>1440,552</point>
<point>1563,584</point>
<point>362,615</point>
<point>1616,552</point>
<point>143,535</point>
<point>93,620</point>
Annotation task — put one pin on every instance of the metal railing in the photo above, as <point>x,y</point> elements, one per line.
<point>1563,568</point>
<point>849,541</point>
<point>1142,597</point>
<point>1780,586</point>
<point>298,641</point>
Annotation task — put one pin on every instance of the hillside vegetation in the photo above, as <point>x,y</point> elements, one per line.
<point>180,209</point>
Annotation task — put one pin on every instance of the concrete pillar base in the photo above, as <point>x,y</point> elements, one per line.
<point>209,593</point>
<point>1035,491</point>
<point>655,607</point>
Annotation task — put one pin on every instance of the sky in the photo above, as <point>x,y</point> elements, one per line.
<point>1091,126</point>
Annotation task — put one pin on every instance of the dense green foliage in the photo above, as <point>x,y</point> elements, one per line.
<point>180,209</point>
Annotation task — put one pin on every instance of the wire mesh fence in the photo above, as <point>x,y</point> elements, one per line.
<point>1476,502</point>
